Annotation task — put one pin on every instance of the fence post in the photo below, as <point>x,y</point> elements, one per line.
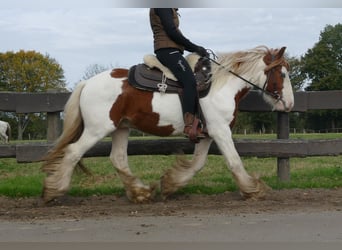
<point>54,124</point>
<point>283,132</point>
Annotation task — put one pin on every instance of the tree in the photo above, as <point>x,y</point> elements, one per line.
<point>297,78</point>
<point>322,68</point>
<point>29,71</point>
<point>322,65</point>
<point>94,69</point>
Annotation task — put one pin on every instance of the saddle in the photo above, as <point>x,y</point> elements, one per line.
<point>153,76</point>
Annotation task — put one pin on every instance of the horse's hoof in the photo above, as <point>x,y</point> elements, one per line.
<point>48,195</point>
<point>260,193</point>
<point>141,194</point>
<point>167,187</point>
<point>167,191</point>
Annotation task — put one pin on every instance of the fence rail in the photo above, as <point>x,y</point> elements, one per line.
<point>283,148</point>
<point>54,101</point>
<point>262,148</point>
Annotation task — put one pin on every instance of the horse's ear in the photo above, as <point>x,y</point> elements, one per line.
<point>281,52</point>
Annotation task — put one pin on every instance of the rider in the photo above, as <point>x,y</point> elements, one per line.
<point>169,45</point>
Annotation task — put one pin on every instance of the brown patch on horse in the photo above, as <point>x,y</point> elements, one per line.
<point>119,73</point>
<point>238,97</point>
<point>133,108</point>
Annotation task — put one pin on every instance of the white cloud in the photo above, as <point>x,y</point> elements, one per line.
<point>34,4</point>
<point>121,37</point>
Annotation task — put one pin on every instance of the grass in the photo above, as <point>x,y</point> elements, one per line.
<point>307,136</point>
<point>25,180</point>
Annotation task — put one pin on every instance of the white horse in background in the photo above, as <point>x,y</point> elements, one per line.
<point>5,131</point>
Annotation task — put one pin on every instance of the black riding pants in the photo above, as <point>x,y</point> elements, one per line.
<point>174,60</point>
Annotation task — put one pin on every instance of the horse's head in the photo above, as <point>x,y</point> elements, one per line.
<point>277,87</point>
<point>261,68</point>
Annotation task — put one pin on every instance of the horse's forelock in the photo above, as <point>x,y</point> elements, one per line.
<point>277,62</point>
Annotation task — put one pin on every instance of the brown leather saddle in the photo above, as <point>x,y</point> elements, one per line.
<point>144,77</point>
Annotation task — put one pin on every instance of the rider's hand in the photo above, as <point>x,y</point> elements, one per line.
<point>202,52</point>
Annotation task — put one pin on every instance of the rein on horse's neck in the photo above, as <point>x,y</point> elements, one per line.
<point>263,90</point>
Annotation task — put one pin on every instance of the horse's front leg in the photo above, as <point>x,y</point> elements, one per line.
<point>183,170</point>
<point>250,187</point>
<point>136,191</point>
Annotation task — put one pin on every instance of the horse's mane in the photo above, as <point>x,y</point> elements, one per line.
<point>240,62</point>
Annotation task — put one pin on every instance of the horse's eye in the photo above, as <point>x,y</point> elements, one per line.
<point>283,75</point>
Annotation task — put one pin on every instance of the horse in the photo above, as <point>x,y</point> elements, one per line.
<point>5,131</point>
<point>107,104</point>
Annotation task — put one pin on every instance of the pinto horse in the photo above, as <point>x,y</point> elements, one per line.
<point>5,131</point>
<point>108,105</point>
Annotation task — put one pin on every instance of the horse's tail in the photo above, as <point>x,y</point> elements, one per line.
<point>72,130</point>
<point>8,132</point>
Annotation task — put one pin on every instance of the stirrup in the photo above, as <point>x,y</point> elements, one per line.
<point>196,139</point>
<point>194,131</point>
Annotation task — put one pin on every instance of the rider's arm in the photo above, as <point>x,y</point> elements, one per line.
<point>166,18</point>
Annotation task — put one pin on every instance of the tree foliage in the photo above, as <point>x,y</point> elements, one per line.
<point>322,65</point>
<point>29,71</point>
<point>297,78</point>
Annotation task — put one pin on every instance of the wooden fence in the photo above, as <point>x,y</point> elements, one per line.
<point>283,148</point>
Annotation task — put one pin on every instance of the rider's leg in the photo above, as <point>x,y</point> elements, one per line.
<point>174,60</point>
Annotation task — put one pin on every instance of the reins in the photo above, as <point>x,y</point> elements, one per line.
<point>263,90</point>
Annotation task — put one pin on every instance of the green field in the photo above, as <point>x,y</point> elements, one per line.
<point>23,180</point>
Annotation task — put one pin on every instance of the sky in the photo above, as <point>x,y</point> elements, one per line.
<point>119,37</point>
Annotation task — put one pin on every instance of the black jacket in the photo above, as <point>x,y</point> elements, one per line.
<point>166,18</point>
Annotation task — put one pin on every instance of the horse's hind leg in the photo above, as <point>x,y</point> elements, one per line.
<point>136,191</point>
<point>183,170</point>
<point>3,138</point>
<point>59,173</point>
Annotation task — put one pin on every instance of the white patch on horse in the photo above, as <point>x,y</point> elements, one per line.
<point>169,109</point>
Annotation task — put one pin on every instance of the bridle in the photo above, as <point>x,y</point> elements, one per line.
<point>275,94</point>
